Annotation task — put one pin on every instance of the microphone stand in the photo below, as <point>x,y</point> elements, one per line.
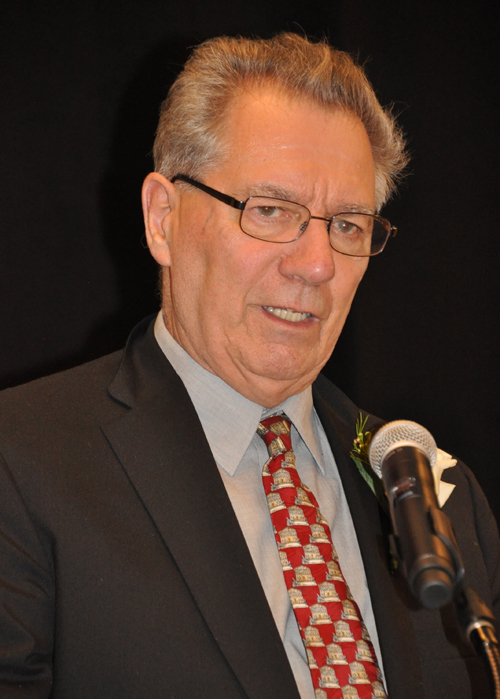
<point>475,619</point>
<point>477,624</point>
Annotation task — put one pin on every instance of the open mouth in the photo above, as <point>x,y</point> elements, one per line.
<point>287,314</point>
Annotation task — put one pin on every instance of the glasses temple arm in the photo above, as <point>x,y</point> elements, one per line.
<point>225,198</point>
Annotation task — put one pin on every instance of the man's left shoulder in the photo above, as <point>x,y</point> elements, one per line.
<point>469,510</point>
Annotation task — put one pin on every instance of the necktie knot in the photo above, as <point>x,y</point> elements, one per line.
<point>275,431</point>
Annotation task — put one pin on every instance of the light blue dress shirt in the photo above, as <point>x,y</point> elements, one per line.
<point>222,412</point>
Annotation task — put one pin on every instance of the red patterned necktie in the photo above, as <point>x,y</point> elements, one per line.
<point>340,653</point>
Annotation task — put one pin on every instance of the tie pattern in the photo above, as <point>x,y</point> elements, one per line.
<point>339,650</point>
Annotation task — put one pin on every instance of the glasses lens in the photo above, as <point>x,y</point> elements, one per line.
<point>359,235</point>
<point>273,219</point>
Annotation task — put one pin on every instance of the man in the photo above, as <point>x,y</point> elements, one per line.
<point>138,547</point>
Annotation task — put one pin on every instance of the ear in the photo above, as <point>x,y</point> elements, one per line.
<point>158,202</point>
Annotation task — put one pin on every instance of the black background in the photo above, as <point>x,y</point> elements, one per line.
<point>81,84</point>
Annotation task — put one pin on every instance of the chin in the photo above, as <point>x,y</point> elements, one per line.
<point>286,366</point>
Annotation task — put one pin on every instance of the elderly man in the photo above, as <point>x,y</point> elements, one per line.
<point>182,519</point>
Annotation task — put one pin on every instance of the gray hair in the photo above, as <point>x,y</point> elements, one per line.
<point>189,135</point>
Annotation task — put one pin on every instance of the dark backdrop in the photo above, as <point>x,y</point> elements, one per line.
<point>81,83</point>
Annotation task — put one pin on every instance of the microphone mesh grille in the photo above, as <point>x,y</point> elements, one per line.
<point>400,433</point>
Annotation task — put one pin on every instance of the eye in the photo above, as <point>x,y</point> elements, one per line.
<point>262,211</point>
<point>345,227</point>
<point>268,218</point>
<point>268,211</point>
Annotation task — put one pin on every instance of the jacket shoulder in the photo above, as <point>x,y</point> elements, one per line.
<point>57,395</point>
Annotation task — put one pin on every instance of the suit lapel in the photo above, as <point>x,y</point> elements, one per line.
<point>389,594</point>
<point>162,447</point>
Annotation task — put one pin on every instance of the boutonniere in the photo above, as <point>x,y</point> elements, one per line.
<point>359,454</point>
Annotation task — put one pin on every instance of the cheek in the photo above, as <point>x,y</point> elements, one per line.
<point>204,276</point>
<point>234,272</point>
<point>350,271</point>
<point>348,275</point>
<point>186,277</point>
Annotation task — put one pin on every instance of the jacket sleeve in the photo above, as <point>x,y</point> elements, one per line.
<point>26,599</point>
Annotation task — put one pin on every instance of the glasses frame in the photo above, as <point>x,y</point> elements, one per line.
<point>240,205</point>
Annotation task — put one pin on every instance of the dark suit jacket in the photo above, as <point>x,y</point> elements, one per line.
<point>123,570</point>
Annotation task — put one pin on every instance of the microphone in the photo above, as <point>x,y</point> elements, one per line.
<point>402,454</point>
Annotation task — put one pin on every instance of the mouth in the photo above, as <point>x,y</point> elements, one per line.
<point>287,314</point>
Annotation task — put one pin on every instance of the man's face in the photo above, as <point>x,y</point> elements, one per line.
<point>223,284</point>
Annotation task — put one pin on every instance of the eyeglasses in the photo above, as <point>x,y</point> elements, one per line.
<point>280,221</point>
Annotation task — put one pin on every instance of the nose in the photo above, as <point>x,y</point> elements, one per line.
<point>310,258</point>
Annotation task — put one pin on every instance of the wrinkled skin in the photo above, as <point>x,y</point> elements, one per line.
<point>220,282</point>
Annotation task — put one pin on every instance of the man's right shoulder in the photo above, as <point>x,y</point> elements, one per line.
<point>61,392</point>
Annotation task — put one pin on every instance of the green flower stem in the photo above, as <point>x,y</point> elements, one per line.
<point>359,455</point>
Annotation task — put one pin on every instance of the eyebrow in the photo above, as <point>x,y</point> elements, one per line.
<point>355,209</point>
<point>265,189</point>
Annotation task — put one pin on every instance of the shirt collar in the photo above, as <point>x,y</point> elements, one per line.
<point>230,420</point>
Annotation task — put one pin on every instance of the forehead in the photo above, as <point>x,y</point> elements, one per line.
<point>294,148</point>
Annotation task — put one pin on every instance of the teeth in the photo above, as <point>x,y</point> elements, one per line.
<point>287,314</point>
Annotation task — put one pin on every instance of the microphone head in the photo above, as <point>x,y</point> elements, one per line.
<point>400,433</point>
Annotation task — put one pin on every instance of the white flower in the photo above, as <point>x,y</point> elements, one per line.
<point>443,490</point>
